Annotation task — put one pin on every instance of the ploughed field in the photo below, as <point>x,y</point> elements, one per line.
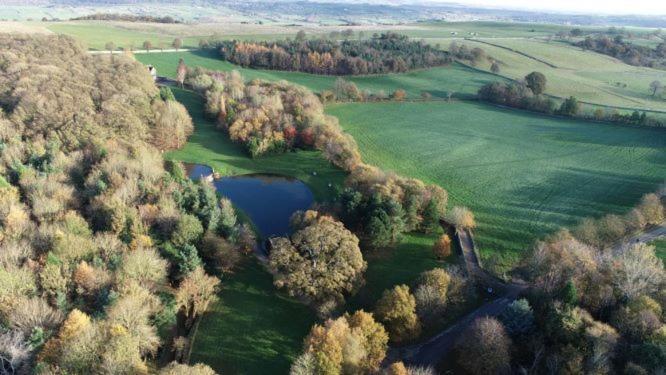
<point>523,175</point>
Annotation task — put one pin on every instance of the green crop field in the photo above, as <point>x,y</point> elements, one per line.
<point>254,327</point>
<point>437,81</point>
<point>589,76</point>
<point>522,174</point>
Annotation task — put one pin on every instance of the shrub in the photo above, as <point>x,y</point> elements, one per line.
<point>442,247</point>
<point>461,217</point>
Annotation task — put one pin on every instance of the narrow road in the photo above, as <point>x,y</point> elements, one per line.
<point>645,237</point>
<point>431,352</point>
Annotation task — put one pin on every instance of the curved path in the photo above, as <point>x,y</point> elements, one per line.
<point>645,237</point>
<point>431,352</point>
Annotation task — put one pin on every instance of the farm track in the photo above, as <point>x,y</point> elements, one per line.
<point>431,352</point>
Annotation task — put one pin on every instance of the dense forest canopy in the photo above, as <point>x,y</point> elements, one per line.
<point>98,242</point>
<point>385,53</point>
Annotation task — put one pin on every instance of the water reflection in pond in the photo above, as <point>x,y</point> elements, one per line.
<point>268,200</point>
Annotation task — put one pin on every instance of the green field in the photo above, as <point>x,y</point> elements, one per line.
<point>660,248</point>
<point>522,174</point>
<point>456,78</point>
<point>589,76</point>
<point>96,34</point>
<point>254,327</point>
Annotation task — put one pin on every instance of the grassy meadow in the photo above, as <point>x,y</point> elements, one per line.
<point>522,174</point>
<point>456,78</point>
<point>589,76</point>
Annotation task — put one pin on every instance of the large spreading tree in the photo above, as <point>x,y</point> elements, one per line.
<point>320,262</point>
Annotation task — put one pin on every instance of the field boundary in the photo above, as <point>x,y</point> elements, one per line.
<point>606,106</point>
<point>514,51</point>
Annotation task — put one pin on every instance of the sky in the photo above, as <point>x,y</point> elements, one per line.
<point>645,7</point>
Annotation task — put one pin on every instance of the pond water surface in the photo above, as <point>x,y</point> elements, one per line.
<point>268,200</point>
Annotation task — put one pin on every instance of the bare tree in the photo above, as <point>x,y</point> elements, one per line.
<point>177,43</point>
<point>655,86</point>
<point>181,72</point>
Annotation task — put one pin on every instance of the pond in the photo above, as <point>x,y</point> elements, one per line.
<point>268,200</point>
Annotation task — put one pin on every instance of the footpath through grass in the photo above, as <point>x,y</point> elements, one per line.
<point>455,78</point>
<point>522,174</point>
<point>253,327</point>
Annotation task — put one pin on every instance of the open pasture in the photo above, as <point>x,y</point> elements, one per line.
<point>458,79</point>
<point>589,76</point>
<point>523,175</point>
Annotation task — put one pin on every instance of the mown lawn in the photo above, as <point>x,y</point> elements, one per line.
<point>522,174</point>
<point>253,327</point>
<point>456,78</point>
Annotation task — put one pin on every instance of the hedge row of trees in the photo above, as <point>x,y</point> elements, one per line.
<point>100,247</point>
<point>527,94</point>
<point>126,17</point>
<point>630,53</point>
<point>385,53</point>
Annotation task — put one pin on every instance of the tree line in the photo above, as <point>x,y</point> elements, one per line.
<point>102,245</point>
<point>628,52</point>
<point>125,17</point>
<point>385,53</point>
<point>528,94</point>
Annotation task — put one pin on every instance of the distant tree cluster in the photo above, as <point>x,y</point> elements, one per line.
<point>126,18</point>
<point>385,53</point>
<point>380,206</point>
<point>273,117</point>
<point>630,53</point>
<point>471,55</point>
<point>99,244</point>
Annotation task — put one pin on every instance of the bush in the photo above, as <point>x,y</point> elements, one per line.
<point>442,247</point>
<point>461,217</point>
